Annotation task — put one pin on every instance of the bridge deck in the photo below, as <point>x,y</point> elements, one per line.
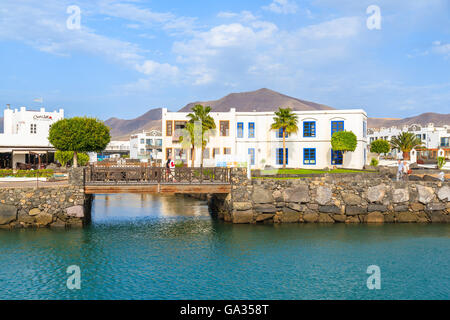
<point>158,188</point>
<point>143,179</point>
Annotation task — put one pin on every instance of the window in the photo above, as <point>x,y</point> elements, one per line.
<point>364,129</point>
<point>280,133</point>
<point>424,137</point>
<point>149,142</point>
<point>33,128</point>
<point>337,126</point>
<point>216,151</point>
<point>279,156</point>
<point>158,142</point>
<point>169,128</point>
<point>445,142</point>
<point>251,152</point>
<point>224,128</point>
<point>240,130</point>
<point>206,153</point>
<point>309,129</point>
<point>336,157</point>
<point>226,150</point>
<point>180,155</point>
<point>309,156</point>
<point>251,129</point>
<point>180,125</point>
<point>168,153</point>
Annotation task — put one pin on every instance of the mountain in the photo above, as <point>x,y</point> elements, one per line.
<point>423,119</point>
<point>122,129</point>
<point>259,100</point>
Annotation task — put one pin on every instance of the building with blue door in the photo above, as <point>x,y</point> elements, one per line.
<point>247,135</point>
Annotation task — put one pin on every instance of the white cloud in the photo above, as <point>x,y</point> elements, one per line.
<point>441,48</point>
<point>150,67</point>
<point>282,7</point>
<point>259,51</point>
<point>243,16</point>
<point>147,17</point>
<point>44,28</point>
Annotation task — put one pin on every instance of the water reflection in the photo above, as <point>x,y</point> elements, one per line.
<point>135,206</point>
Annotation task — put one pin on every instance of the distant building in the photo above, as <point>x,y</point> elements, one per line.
<point>246,136</point>
<point>433,137</point>
<point>25,136</point>
<point>147,146</point>
<point>115,149</point>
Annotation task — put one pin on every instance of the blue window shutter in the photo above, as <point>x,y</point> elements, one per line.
<point>240,130</point>
<point>251,129</point>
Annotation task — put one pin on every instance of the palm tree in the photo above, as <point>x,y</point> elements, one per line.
<point>405,142</point>
<point>187,139</point>
<point>286,120</point>
<point>201,114</point>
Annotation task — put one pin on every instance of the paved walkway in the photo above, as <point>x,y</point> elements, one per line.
<point>32,184</point>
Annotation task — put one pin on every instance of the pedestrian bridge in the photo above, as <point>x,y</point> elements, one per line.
<point>146,179</point>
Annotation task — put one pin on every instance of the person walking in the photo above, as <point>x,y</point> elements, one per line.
<point>400,170</point>
<point>170,167</point>
<point>406,171</point>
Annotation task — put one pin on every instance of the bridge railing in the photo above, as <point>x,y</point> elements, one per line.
<point>95,175</point>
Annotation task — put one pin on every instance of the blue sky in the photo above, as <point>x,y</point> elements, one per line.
<point>130,56</point>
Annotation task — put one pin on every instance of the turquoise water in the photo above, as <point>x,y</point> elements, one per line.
<point>151,247</point>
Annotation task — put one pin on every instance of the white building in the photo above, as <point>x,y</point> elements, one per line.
<point>25,136</point>
<point>114,150</point>
<point>431,136</point>
<point>147,146</point>
<point>247,135</point>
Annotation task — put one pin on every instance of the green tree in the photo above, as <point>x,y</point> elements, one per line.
<point>285,119</point>
<point>79,135</point>
<point>405,142</point>
<point>380,146</point>
<point>190,134</point>
<point>63,157</point>
<point>201,114</point>
<point>344,141</point>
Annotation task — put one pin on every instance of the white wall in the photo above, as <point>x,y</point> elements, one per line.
<point>17,127</point>
<point>265,141</point>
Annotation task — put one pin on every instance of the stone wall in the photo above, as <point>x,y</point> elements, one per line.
<point>55,206</point>
<point>333,198</point>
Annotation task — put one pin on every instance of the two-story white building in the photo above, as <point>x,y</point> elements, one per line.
<point>147,146</point>
<point>248,136</point>
<point>25,136</point>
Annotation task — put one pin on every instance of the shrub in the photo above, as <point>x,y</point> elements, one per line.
<point>43,173</point>
<point>440,162</point>
<point>83,159</point>
<point>374,162</point>
<point>64,157</point>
